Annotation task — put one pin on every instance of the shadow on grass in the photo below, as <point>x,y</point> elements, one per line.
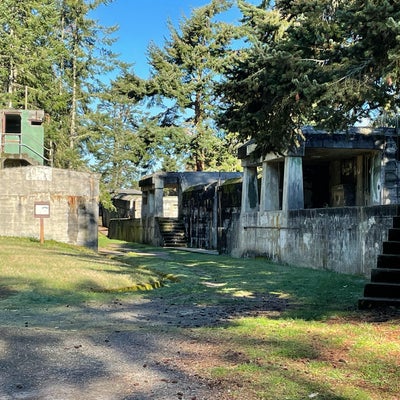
<point>294,352</point>
<point>82,346</point>
<point>211,280</point>
<point>201,280</point>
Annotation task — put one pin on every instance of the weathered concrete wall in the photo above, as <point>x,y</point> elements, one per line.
<point>73,198</point>
<point>198,215</point>
<point>143,230</point>
<point>229,234</point>
<point>209,212</point>
<point>127,229</point>
<point>347,240</point>
<point>139,230</point>
<point>229,201</point>
<point>170,206</point>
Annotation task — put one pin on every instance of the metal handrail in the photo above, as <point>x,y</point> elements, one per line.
<point>20,144</point>
<point>34,151</point>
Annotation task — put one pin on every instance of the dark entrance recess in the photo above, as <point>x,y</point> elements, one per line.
<point>316,185</point>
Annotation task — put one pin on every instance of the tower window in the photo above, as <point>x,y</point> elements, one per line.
<point>13,123</point>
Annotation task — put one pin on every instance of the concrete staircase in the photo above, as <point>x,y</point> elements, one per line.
<point>384,288</point>
<point>173,232</point>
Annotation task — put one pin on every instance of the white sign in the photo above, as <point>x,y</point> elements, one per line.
<point>42,209</point>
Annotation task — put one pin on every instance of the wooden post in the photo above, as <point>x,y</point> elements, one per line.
<point>42,210</point>
<point>41,230</point>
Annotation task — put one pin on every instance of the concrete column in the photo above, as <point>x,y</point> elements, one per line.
<point>270,187</point>
<point>145,204</point>
<point>158,197</point>
<point>293,194</point>
<point>376,180</point>
<point>390,178</point>
<point>360,201</point>
<point>150,204</point>
<point>214,239</point>
<point>250,190</point>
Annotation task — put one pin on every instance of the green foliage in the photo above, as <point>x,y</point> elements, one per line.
<point>329,64</point>
<point>182,84</point>
<point>115,148</point>
<point>51,56</point>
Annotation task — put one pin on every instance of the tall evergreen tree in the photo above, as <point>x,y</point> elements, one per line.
<point>115,148</point>
<point>183,77</point>
<point>321,62</point>
<point>51,54</point>
<point>83,57</point>
<point>26,56</point>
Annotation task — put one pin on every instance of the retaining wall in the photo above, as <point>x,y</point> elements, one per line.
<point>127,229</point>
<point>72,198</point>
<point>347,240</point>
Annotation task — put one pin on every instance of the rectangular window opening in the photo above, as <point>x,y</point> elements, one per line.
<point>13,123</point>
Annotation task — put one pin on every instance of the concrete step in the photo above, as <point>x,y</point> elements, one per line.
<point>394,234</point>
<point>396,222</point>
<point>382,290</point>
<point>174,243</point>
<point>391,247</point>
<point>388,261</point>
<point>173,232</point>
<point>366,303</point>
<point>171,227</point>
<point>388,275</point>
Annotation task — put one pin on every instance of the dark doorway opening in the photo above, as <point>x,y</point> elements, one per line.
<point>316,185</point>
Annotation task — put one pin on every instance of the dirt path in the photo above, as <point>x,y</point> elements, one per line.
<point>122,350</point>
<point>129,348</point>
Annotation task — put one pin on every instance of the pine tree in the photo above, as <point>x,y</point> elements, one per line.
<point>116,149</point>
<point>51,54</point>
<point>26,58</point>
<point>84,55</point>
<point>184,74</point>
<point>320,62</point>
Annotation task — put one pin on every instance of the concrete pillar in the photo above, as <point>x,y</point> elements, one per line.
<point>360,200</point>
<point>214,239</point>
<point>158,197</point>
<point>390,177</point>
<point>145,204</point>
<point>270,187</point>
<point>150,205</point>
<point>293,194</point>
<point>376,180</point>
<point>250,190</point>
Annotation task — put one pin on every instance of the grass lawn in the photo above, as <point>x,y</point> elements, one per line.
<point>308,340</point>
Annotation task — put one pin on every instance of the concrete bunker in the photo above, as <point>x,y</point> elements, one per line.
<point>327,204</point>
<point>356,168</point>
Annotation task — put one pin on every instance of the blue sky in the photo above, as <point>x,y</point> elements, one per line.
<point>143,21</point>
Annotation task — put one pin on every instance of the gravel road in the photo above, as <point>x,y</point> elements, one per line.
<point>136,349</point>
<point>131,348</point>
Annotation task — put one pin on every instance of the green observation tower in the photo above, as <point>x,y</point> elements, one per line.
<point>21,138</point>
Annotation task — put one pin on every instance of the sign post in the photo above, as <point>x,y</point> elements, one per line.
<point>42,210</point>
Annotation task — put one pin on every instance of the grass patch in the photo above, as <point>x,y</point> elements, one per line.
<point>297,359</point>
<point>207,280</point>
<point>50,274</point>
<point>303,339</point>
